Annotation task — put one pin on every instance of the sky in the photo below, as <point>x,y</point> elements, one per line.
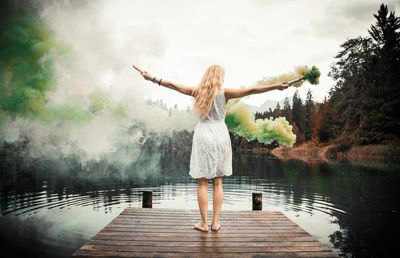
<point>178,40</point>
<point>249,39</point>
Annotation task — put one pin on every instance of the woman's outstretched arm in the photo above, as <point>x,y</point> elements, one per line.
<point>238,93</point>
<point>187,90</point>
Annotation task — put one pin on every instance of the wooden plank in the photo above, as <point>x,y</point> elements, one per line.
<point>190,230</point>
<point>184,219</point>
<point>153,211</point>
<point>141,232</point>
<point>90,253</point>
<point>196,214</point>
<point>188,238</point>
<point>178,243</point>
<point>256,213</point>
<point>223,217</point>
<point>163,210</point>
<point>197,219</point>
<point>188,219</point>
<point>204,234</point>
<point>205,249</point>
<point>185,225</point>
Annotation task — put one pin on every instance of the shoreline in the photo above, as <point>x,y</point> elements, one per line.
<point>306,152</point>
<point>309,152</point>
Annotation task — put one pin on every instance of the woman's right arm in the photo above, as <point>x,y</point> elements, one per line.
<point>238,93</point>
<point>187,90</point>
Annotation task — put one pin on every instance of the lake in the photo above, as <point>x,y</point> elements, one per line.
<point>51,208</point>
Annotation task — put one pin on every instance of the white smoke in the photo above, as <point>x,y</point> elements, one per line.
<point>101,58</point>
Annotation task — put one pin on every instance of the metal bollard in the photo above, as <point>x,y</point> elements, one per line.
<point>257,201</point>
<point>147,199</point>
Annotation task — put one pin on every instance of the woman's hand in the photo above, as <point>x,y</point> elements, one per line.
<point>147,76</point>
<point>282,85</point>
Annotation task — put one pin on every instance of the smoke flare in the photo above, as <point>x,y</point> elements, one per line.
<point>242,122</point>
<point>301,72</point>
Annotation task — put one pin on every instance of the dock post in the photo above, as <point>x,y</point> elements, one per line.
<point>147,199</point>
<point>257,201</point>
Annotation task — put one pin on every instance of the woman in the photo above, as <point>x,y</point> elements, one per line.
<point>211,156</point>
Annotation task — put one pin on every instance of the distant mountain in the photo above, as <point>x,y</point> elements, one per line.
<point>266,105</point>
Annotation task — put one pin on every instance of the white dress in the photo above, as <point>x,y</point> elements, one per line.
<point>211,148</point>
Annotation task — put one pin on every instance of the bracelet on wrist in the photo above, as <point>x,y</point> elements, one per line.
<point>159,83</point>
<point>154,79</point>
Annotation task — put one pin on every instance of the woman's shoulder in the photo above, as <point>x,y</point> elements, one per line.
<point>228,92</point>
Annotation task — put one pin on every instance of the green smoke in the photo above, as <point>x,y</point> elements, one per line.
<point>240,121</point>
<point>27,49</point>
<point>312,76</point>
<point>99,102</point>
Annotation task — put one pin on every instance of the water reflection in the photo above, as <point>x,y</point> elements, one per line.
<point>52,212</point>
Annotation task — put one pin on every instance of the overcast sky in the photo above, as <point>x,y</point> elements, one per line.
<point>251,39</point>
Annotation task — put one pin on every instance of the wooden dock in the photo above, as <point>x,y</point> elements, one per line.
<point>156,232</point>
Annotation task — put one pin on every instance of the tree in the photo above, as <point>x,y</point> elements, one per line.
<point>322,130</point>
<point>309,110</point>
<point>277,111</point>
<point>297,111</point>
<point>385,31</point>
<point>287,110</point>
<point>258,115</point>
<point>384,70</point>
<point>364,101</point>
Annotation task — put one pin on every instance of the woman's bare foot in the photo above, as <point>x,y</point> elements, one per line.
<point>215,227</point>
<point>201,226</point>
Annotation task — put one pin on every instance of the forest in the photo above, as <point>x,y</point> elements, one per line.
<point>362,105</point>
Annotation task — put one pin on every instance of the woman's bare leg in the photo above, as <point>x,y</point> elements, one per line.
<point>218,196</point>
<point>202,199</point>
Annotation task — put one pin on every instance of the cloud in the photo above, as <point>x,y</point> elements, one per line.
<point>347,19</point>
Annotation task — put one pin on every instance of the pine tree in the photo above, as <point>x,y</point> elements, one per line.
<point>383,97</point>
<point>309,110</point>
<point>270,113</point>
<point>365,99</point>
<point>287,110</point>
<point>297,111</point>
<point>322,131</point>
<point>277,111</point>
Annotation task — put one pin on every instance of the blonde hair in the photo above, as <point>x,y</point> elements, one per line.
<point>206,91</point>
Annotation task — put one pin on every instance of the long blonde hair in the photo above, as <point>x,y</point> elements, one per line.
<point>206,91</point>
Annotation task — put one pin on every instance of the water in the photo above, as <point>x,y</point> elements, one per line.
<point>50,211</point>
